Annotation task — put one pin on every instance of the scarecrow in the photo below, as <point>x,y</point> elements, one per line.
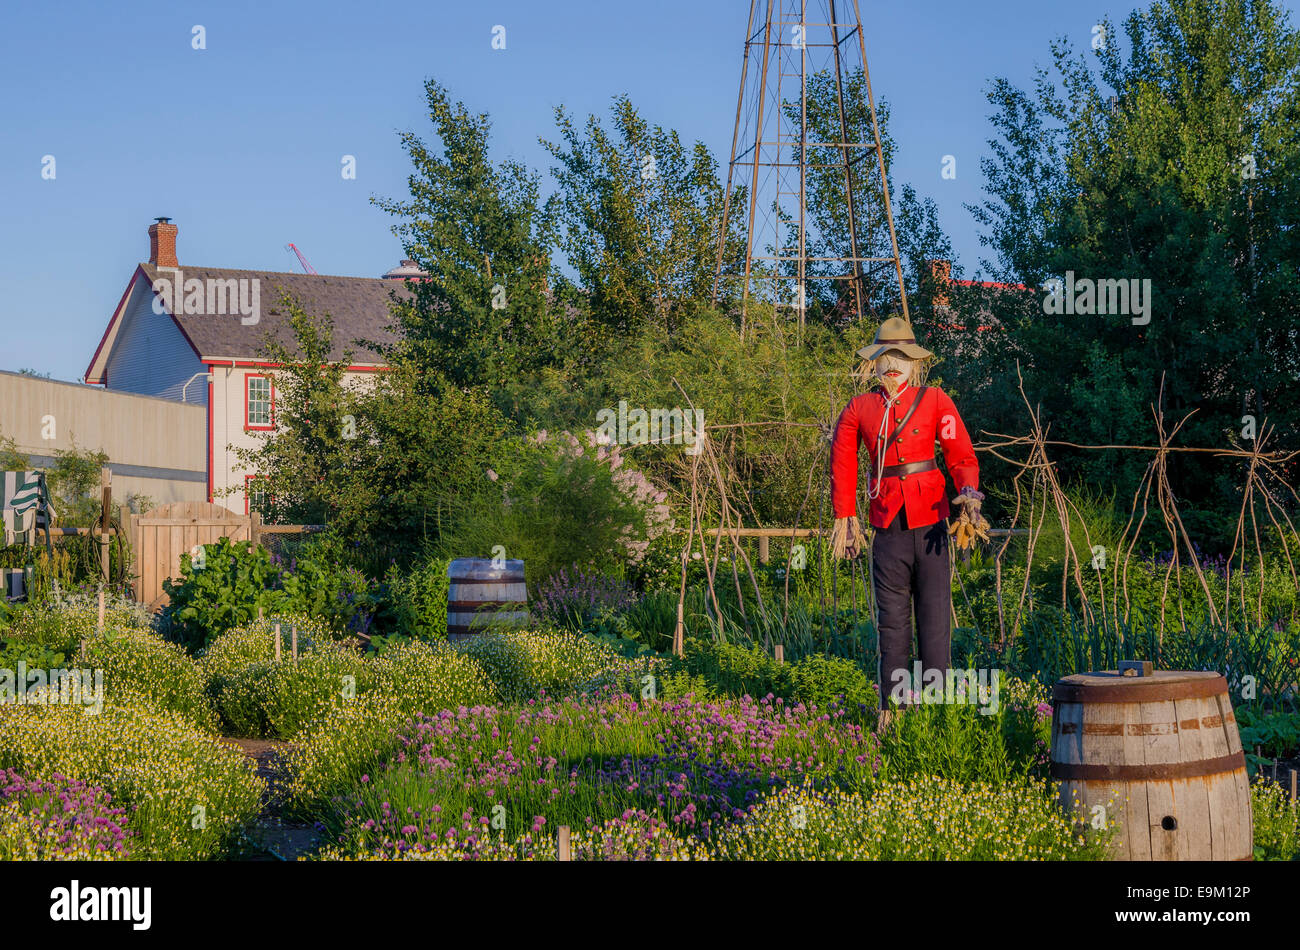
<point>899,422</point>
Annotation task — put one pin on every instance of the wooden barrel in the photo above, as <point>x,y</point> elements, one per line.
<point>1161,754</point>
<point>483,595</point>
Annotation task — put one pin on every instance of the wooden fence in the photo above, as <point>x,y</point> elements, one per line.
<point>159,537</point>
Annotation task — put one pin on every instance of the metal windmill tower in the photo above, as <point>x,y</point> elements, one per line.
<point>788,142</point>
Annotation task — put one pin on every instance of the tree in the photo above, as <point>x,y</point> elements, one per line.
<point>1174,162</point>
<point>641,216</point>
<point>484,316</point>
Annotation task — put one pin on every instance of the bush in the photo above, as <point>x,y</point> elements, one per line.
<point>336,755</point>
<point>562,501</point>
<point>233,581</point>
<point>1277,823</point>
<point>140,667</point>
<point>418,598</point>
<point>923,819</point>
<point>527,664</point>
<point>59,625</point>
<point>734,670</point>
<point>959,742</point>
<point>259,697</point>
<point>319,584</point>
<point>155,764</point>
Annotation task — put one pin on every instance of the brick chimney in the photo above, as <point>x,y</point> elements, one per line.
<point>941,272</point>
<point>162,243</point>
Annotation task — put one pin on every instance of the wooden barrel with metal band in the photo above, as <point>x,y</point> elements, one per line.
<point>484,594</point>
<point>1158,758</point>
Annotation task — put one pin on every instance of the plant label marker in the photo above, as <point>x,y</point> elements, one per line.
<point>277,643</point>
<point>563,844</point>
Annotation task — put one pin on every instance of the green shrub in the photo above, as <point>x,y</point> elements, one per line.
<point>526,664</point>
<point>960,742</point>
<point>141,667</point>
<point>188,793</point>
<point>559,501</point>
<point>348,745</point>
<point>1277,822</point>
<point>321,585</point>
<point>428,679</point>
<point>418,598</point>
<point>259,697</point>
<point>233,581</point>
<point>923,819</point>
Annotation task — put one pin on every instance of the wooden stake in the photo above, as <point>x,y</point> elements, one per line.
<point>277,643</point>
<point>563,844</point>
<point>293,641</point>
<point>106,486</point>
<point>679,635</point>
<point>100,626</point>
<point>780,653</point>
<point>1293,787</point>
<point>259,614</point>
<point>1275,768</point>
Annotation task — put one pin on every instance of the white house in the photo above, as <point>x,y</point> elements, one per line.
<point>196,335</point>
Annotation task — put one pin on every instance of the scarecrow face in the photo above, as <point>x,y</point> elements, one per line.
<point>894,370</point>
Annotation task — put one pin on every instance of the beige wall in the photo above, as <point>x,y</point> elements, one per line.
<point>158,447</point>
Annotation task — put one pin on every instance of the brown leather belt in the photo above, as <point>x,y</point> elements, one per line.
<point>910,468</point>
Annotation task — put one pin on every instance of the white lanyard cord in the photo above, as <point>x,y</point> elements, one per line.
<point>873,485</point>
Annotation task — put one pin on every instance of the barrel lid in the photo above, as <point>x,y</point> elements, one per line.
<point>484,567</point>
<point>1110,686</point>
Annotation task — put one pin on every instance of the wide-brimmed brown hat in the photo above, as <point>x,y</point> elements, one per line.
<point>894,334</point>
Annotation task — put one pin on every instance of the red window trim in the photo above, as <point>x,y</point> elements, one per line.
<point>248,496</point>
<point>249,427</point>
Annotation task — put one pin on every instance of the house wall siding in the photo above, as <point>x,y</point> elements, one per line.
<point>150,355</point>
<point>229,434</point>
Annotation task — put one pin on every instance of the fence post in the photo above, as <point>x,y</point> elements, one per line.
<point>106,487</point>
<point>563,844</point>
<point>255,528</point>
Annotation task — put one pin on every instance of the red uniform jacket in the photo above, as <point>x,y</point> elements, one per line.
<point>935,420</point>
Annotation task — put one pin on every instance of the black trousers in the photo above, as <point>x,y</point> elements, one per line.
<point>911,573</point>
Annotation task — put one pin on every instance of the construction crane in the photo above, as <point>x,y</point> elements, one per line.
<point>306,265</point>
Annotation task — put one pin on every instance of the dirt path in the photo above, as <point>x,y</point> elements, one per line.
<point>272,837</point>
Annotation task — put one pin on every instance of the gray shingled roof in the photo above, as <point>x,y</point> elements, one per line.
<point>358,306</point>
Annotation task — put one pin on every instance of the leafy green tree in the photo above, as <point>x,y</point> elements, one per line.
<point>485,315</point>
<point>641,215</point>
<point>1170,157</point>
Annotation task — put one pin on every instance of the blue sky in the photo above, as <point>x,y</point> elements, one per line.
<point>241,143</point>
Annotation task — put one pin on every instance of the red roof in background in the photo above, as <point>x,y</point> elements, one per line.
<point>990,283</point>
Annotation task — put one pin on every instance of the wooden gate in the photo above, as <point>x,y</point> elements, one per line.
<point>159,538</point>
